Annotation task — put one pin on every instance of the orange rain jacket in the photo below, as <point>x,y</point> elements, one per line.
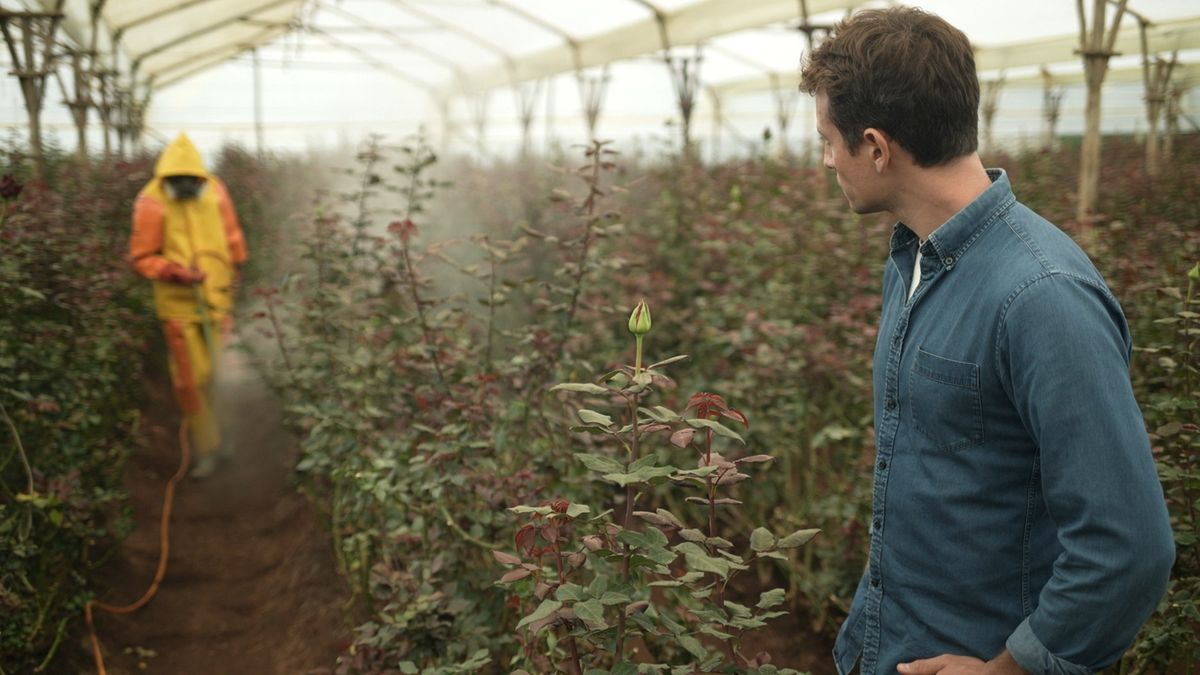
<point>201,234</point>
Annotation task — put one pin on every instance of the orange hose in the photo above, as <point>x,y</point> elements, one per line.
<point>164,535</point>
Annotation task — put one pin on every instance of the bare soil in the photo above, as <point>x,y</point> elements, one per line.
<point>251,586</point>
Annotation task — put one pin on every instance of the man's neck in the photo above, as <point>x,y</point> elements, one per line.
<point>931,196</point>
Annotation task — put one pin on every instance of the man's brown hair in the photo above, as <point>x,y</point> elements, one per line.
<point>904,71</point>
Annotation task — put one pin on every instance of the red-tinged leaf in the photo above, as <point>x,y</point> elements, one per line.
<point>754,459</point>
<point>735,415</point>
<point>525,539</point>
<point>506,558</point>
<point>593,542</point>
<point>654,428</point>
<point>706,405</point>
<point>404,229</point>
<point>683,437</point>
<point>515,575</point>
<point>541,590</point>
<point>530,566</point>
<point>550,533</point>
<point>731,478</point>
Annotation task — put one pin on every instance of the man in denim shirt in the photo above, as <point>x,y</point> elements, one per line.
<point>1018,524</point>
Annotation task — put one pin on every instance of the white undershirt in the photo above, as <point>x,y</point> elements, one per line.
<point>916,275</point>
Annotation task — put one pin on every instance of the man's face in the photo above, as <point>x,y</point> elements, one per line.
<point>855,172</point>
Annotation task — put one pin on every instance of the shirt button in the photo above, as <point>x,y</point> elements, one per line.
<point>878,524</point>
<point>948,261</point>
<point>882,464</point>
<point>875,582</point>
<point>890,403</point>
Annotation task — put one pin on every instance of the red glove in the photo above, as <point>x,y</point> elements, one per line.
<point>178,274</point>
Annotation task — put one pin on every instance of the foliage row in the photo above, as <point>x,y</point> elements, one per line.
<point>420,365</point>
<point>74,326</point>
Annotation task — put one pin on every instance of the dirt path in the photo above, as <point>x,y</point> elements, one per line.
<point>251,587</point>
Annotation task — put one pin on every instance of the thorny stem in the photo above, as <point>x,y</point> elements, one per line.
<point>410,271</point>
<point>20,448</point>
<point>562,576</point>
<point>630,496</point>
<point>491,329</point>
<point>360,222</point>
<point>589,208</point>
<point>712,503</point>
<point>278,334</point>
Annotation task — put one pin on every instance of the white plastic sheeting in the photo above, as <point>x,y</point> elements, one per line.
<point>333,70</point>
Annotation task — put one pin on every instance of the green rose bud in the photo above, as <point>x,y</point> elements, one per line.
<point>639,320</point>
<point>1193,274</point>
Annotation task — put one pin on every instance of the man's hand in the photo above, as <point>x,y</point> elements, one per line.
<point>948,664</point>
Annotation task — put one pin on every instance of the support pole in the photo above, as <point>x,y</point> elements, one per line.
<point>33,60</point>
<point>591,93</point>
<point>1156,79</point>
<point>1172,114</point>
<point>258,113</point>
<point>1051,105</point>
<point>549,114</point>
<point>991,98</point>
<point>685,77</point>
<point>479,115</point>
<point>104,108</point>
<point>717,119</point>
<point>525,96</point>
<point>1096,47</point>
<point>785,109</point>
<point>80,103</point>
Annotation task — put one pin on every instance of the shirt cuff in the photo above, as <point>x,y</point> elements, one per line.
<point>1029,653</point>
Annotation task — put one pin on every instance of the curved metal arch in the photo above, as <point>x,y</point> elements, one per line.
<point>459,73</point>
<point>209,28</point>
<point>366,57</point>
<point>262,38</point>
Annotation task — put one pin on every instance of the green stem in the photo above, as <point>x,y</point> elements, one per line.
<point>630,497</point>
<point>637,363</point>
<point>20,448</point>
<point>62,626</point>
<point>464,534</point>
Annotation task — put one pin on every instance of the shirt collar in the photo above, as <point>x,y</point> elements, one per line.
<point>951,240</point>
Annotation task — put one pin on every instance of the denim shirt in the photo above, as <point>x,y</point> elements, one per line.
<point>1015,499</point>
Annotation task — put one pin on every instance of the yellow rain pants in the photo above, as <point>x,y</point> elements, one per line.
<point>200,234</point>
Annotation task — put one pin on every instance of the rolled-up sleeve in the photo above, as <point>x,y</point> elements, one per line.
<point>1064,348</point>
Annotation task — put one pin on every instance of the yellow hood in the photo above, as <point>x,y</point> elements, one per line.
<point>181,158</point>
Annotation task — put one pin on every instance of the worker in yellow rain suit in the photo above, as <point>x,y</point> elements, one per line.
<point>188,242</point>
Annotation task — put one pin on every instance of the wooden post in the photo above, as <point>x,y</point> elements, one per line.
<point>1172,115</point>
<point>104,107</point>
<point>1096,47</point>
<point>1051,105</point>
<point>785,109</point>
<point>479,114</point>
<point>258,115</point>
<point>1156,79</point>
<point>991,97</point>
<point>525,96</point>
<point>591,94</point>
<point>80,103</point>
<point>33,60</point>
<point>716,120</point>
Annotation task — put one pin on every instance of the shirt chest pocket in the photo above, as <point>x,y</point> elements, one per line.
<point>944,401</point>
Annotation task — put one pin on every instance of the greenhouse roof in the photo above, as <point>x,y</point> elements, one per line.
<point>449,53</point>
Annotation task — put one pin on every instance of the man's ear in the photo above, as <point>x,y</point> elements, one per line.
<point>879,146</point>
